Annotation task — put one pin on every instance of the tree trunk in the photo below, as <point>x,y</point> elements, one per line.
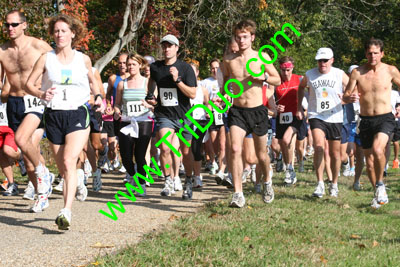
<point>60,5</point>
<point>123,38</point>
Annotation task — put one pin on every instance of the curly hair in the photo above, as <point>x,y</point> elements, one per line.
<point>74,24</point>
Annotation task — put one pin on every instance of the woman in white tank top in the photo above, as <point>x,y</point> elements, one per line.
<point>65,90</point>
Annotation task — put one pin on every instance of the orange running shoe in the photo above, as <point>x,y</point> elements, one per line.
<point>395,164</point>
<point>4,185</point>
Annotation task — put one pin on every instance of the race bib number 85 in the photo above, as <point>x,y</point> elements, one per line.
<point>323,105</point>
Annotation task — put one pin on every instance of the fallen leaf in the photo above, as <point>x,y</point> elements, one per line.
<point>173,217</point>
<point>249,207</point>
<point>100,245</point>
<point>246,239</point>
<point>346,206</point>
<point>361,245</point>
<point>95,263</point>
<point>375,244</point>
<point>355,237</point>
<point>323,260</point>
<point>251,246</point>
<point>213,215</point>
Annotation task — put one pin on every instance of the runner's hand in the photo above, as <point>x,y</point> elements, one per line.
<point>48,94</point>
<point>354,97</point>
<point>174,72</point>
<point>280,108</point>
<point>109,110</point>
<point>99,103</point>
<point>300,115</point>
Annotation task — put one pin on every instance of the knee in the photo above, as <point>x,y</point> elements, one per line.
<point>378,152</point>
<point>319,149</point>
<point>165,149</point>
<point>20,140</point>
<point>236,150</point>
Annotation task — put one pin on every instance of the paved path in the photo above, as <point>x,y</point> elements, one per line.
<point>29,239</point>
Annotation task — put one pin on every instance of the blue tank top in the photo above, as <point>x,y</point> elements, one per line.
<point>115,85</point>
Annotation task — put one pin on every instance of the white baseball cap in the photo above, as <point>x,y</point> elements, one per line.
<point>352,67</point>
<point>170,39</point>
<point>324,53</point>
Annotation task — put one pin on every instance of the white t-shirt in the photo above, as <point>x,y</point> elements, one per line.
<point>212,87</point>
<point>324,102</point>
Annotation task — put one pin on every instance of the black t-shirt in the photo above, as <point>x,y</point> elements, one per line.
<point>159,72</point>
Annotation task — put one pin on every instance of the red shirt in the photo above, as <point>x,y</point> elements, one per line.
<point>286,94</point>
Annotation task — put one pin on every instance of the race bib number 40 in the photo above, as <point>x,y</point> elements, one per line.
<point>285,118</point>
<point>169,97</point>
<point>135,108</point>
<point>33,104</point>
<point>63,97</point>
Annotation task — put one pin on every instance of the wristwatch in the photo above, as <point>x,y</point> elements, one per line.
<point>266,77</point>
<point>179,79</point>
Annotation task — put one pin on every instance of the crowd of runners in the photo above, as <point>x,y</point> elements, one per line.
<point>342,119</point>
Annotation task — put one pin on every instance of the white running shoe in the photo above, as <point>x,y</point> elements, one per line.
<point>381,195</point>
<point>87,168</point>
<point>177,184</point>
<point>168,189</point>
<point>288,180</point>
<point>116,163</point>
<point>214,168</point>
<point>268,194</point>
<point>29,192</point>
<point>41,203</point>
<point>219,177</point>
<point>245,174</point>
<point>81,190</point>
<point>319,190</point>
<point>60,186</point>
<point>198,181</point>
<point>97,181</point>
<point>357,186</point>
<point>333,190</point>
<point>122,169</point>
<point>63,219</point>
<point>148,184</point>
<point>44,182</point>
<point>238,200</point>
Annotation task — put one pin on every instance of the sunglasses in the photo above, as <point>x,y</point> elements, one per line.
<point>323,60</point>
<point>14,24</point>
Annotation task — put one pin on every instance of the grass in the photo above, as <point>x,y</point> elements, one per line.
<point>295,230</point>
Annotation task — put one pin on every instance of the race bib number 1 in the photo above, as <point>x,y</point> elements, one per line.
<point>33,104</point>
<point>285,118</point>
<point>323,105</point>
<point>169,97</point>
<point>63,99</point>
<point>218,118</point>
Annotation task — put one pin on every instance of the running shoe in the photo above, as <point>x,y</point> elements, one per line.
<point>168,189</point>
<point>21,165</point>
<point>375,204</point>
<point>268,194</point>
<point>207,166</point>
<point>257,188</point>
<point>198,181</point>
<point>381,195</point>
<point>60,186</point>
<point>227,181</point>
<point>116,163</point>
<point>181,170</point>
<point>4,185</point>
<point>395,164</point>
<point>127,178</point>
<point>41,203</point>
<point>279,164</point>
<point>102,157</point>
<point>177,183</point>
<point>63,219</point>
<point>219,177</point>
<point>290,178</point>
<point>287,177</point>
<point>301,166</point>
<point>333,190</point>
<point>29,192</point>
<point>97,181</point>
<point>357,186</point>
<point>122,169</point>
<point>352,171</point>
<point>147,184</point>
<point>44,182</point>
<point>81,189</point>
<point>12,190</point>
<point>319,190</point>
<point>238,200</point>
<point>87,168</point>
<point>188,192</point>
<point>245,174</point>
<point>253,175</point>
<point>214,168</point>
<point>143,186</point>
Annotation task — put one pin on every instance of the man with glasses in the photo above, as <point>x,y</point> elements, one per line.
<point>287,125</point>
<point>25,112</point>
<point>325,115</point>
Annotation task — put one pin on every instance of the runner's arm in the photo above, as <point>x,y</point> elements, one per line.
<point>37,71</point>
<point>97,78</point>
<point>300,95</point>
<point>118,100</point>
<point>396,76</point>
<point>351,93</point>
<point>111,81</point>
<point>151,87</point>
<point>5,91</point>
<point>94,87</point>
<point>273,76</point>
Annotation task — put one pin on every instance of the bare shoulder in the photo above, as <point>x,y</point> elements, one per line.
<point>229,57</point>
<point>40,45</point>
<point>86,58</point>
<point>392,69</point>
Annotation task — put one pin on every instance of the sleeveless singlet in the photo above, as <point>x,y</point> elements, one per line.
<point>115,85</point>
<point>198,113</point>
<point>324,102</point>
<point>132,107</point>
<point>71,81</point>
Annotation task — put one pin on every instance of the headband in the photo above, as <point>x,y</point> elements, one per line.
<point>287,65</point>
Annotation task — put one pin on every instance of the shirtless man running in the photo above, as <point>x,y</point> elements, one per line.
<point>371,83</point>
<point>248,114</point>
<point>24,112</point>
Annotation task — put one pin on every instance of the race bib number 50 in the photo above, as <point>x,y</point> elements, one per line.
<point>169,97</point>
<point>33,104</point>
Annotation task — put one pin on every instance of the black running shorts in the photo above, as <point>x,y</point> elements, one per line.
<point>252,120</point>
